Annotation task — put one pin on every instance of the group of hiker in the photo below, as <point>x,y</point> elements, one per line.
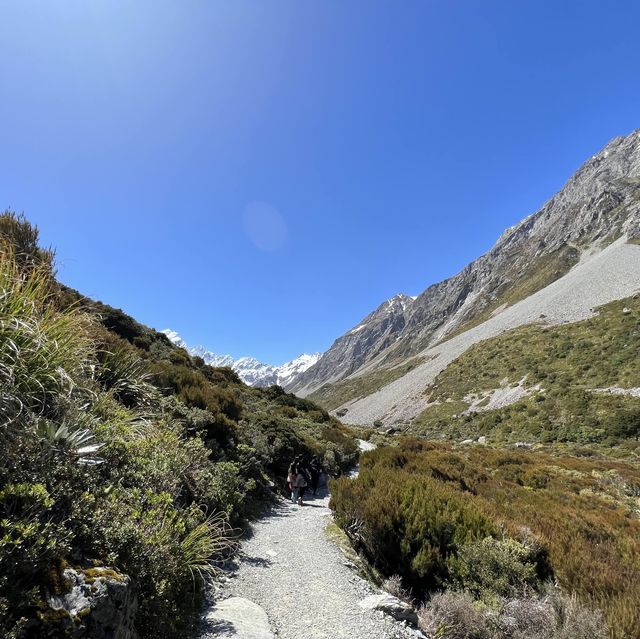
<point>303,475</point>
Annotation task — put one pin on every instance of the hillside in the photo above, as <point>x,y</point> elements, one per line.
<point>577,382</point>
<point>128,467</point>
<point>598,205</point>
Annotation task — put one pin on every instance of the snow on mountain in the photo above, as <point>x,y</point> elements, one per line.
<point>288,372</point>
<point>250,370</point>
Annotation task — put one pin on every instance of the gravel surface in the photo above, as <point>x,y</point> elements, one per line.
<point>498,397</point>
<point>302,580</point>
<point>612,274</point>
<point>616,390</point>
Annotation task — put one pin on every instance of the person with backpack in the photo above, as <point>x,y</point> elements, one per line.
<point>300,483</point>
<point>315,470</point>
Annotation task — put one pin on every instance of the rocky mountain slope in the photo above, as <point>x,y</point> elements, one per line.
<point>372,336</point>
<point>250,370</point>
<point>599,205</point>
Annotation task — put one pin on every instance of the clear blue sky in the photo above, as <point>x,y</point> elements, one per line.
<point>261,175</point>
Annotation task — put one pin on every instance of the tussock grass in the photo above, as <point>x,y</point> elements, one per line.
<point>44,353</point>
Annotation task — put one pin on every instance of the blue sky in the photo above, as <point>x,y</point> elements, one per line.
<point>259,175</point>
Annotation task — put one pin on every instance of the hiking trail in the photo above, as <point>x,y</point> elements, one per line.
<point>301,580</point>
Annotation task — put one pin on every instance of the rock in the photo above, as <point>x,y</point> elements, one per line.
<point>482,440</point>
<point>626,310</point>
<point>523,445</point>
<point>390,431</point>
<point>342,412</point>
<point>97,603</point>
<point>466,442</point>
<point>239,617</point>
<point>392,606</point>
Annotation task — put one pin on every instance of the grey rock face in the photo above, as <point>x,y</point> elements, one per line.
<point>99,604</point>
<point>598,204</point>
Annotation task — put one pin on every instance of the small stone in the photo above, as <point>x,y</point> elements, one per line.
<point>626,310</point>
<point>482,440</point>
<point>390,605</point>
<point>239,617</point>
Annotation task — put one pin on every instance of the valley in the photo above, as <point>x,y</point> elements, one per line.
<point>495,419</point>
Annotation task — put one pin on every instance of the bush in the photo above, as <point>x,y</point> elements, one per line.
<point>453,615</point>
<point>393,585</point>
<point>471,518</point>
<point>492,568</point>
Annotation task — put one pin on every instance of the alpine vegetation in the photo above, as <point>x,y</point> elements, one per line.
<point>128,467</point>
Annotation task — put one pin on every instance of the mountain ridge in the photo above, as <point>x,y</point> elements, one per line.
<point>598,204</point>
<point>250,370</point>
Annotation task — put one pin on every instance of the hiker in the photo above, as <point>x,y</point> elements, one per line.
<point>291,480</point>
<point>315,469</point>
<point>300,484</point>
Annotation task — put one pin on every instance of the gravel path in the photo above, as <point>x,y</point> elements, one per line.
<point>302,580</point>
<point>612,274</point>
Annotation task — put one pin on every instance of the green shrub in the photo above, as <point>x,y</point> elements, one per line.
<point>493,568</point>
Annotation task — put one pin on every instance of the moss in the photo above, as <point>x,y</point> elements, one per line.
<point>49,616</point>
<point>91,574</point>
<point>57,583</point>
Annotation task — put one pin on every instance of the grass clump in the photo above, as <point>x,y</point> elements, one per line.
<point>456,615</point>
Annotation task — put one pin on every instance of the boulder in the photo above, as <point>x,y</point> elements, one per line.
<point>238,617</point>
<point>391,606</point>
<point>96,603</point>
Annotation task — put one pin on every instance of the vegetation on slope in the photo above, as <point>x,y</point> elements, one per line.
<point>331,396</point>
<point>563,367</point>
<point>120,450</point>
<point>499,525</point>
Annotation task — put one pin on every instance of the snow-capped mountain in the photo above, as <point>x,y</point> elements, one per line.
<point>250,370</point>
